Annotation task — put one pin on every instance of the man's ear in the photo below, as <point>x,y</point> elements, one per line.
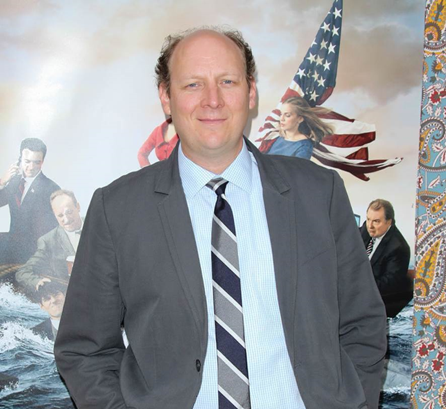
<point>164,98</point>
<point>252,94</point>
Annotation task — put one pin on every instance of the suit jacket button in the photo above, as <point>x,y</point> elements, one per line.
<point>198,365</point>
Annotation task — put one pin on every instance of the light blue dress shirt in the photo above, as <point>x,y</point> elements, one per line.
<point>271,377</point>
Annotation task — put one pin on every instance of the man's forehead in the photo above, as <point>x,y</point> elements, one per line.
<point>62,201</point>
<point>205,43</point>
<point>375,214</point>
<point>29,153</point>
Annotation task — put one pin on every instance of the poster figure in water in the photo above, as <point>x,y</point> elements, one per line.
<point>31,332</point>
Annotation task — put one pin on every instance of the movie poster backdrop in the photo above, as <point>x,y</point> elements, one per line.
<point>79,76</point>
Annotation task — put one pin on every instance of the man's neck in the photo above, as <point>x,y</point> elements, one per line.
<point>216,163</point>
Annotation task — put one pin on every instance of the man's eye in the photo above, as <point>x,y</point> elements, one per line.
<point>228,82</point>
<point>192,85</point>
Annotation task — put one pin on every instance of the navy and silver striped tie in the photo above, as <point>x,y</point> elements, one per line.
<point>233,383</point>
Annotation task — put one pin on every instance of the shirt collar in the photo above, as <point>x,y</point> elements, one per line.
<point>30,180</point>
<point>194,177</point>
<point>74,232</point>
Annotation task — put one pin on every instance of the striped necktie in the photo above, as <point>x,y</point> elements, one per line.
<point>233,383</point>
<point>370,246</point>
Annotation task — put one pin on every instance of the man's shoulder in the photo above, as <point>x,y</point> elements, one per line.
<point>46,182</point>
<point>396,237</point>
<point>298,169</point>
<point>44,329</point>
<point>51,236</point>
<point>139,177</point>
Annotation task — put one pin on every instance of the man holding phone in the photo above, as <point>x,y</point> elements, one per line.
<point>26,190</point>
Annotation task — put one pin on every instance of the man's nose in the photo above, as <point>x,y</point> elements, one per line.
<point>213,96</point>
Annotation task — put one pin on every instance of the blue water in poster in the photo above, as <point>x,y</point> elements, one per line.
<point>396,389</point>
<point>29,358</point>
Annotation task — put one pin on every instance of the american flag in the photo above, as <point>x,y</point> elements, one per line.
<point>315,80</point>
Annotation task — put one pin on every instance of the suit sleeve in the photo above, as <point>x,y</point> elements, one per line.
<point>89,346</point>
<point>28,275</point>
<point>362,326</point>
<point>4,196</point>
<point>394,277</point>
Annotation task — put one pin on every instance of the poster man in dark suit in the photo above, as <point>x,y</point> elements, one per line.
<point>26,190</point>
<point>389,256</point>
<point>50,262</point>
<point>313,319</point>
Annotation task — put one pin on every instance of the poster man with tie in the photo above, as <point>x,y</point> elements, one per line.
<point>240,278</point>
<point>389,256</point>
<point>26,190</point>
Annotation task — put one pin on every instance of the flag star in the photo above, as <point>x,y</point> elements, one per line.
<point>337,13</point>
<point>321,82</point>
<point>313,43</point>
<point>331,48</point>
<point>313,96</point>
<point>325,27</point>
<point>327,65</point>
<point>319,60</point>
<point>312,58</point>
<point>335,31</point>
<point>315,76</point>
<point>324,44</point>
<point>301,73</point>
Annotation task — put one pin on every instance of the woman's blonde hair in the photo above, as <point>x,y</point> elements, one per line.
<point>312,126</point>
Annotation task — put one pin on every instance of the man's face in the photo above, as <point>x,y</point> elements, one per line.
<point>209,97</point>
<point>53,305</point>
<point>67,213</point>
<point>376,223</point>
<point>31,163</point>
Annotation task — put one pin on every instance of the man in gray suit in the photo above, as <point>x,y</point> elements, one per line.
<point>55,249</point>
<point>313,322</point>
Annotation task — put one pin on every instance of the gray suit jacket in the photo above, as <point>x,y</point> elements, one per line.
<point>137,264</point>
<point>49,259</point>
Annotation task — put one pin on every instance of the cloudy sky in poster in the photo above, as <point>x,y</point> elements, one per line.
<point>79,75</point>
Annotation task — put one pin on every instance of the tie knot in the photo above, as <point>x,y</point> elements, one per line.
<point>218,185</point>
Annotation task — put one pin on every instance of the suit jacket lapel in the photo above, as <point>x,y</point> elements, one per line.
<point>180,237</point>
<point>282,221</point>
<point>65,242</point>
